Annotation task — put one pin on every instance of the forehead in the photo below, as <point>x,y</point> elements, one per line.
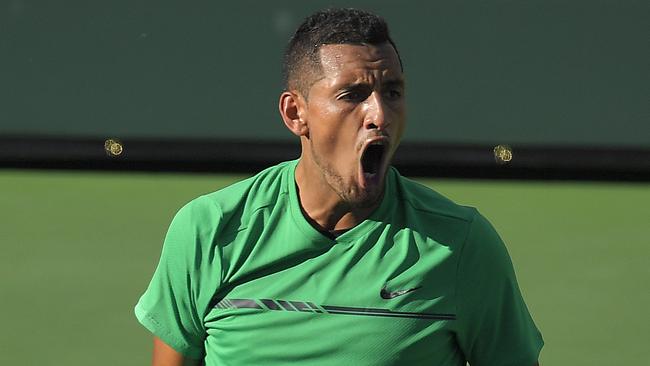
<point>347,61</point>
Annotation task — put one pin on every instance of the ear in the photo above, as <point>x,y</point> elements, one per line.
<point>292,109</point>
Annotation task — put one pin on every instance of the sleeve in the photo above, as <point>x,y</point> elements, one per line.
<point>171,307</point>
<point>495,327</point>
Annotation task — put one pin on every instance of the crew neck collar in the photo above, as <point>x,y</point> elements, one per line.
<point>379,215</point>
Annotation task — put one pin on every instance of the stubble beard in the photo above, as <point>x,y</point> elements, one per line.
<point>354,197</point>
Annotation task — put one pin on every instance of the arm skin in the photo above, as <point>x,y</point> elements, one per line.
<point>163,355</point>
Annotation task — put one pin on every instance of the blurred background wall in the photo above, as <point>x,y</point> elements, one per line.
<point>557,80</point>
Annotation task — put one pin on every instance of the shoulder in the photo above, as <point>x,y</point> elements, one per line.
<point>264,184</point>
<point>479,248</point>
<point>430,203</point>
<point>219,209</point>
<point>439,217</point>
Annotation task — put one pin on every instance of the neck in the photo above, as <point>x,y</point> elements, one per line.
<point>321,205</point>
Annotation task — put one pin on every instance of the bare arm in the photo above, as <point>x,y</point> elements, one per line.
<point>163,355</point>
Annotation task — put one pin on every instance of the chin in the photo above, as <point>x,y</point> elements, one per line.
<point>364,197</point>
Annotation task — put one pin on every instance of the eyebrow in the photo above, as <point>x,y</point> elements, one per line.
<point>391,83</point>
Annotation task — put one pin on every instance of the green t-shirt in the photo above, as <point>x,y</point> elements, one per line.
<point>244,279</point>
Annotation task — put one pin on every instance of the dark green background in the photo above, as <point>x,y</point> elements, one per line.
<point>499,71</point>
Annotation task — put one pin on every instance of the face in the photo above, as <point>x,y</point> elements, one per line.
<point>355,115</point>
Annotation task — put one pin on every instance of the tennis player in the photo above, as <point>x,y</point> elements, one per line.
<point>335,258</point>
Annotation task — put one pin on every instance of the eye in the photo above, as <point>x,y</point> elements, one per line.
<point>353,96</point>
<point>393,94</point>
<point>356,94</point>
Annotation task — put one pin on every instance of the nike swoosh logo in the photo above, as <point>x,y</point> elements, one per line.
<point>385,294</point>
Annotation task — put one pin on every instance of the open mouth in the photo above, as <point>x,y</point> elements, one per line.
<point>372,160</point>
<point>372,157</point>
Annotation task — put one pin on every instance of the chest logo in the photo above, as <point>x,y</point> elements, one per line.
<point>310,307</point>
<point>385,294</point>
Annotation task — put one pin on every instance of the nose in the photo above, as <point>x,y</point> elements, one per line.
<point>375,118</point>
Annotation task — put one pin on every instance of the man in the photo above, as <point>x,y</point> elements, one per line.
<point>335,259</point>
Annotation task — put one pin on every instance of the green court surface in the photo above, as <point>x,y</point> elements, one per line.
<point>77,249</point>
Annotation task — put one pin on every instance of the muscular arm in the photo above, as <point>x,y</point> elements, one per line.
<point>163,355</point>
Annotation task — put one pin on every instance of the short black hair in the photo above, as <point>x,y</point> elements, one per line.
<point>329,26</point>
